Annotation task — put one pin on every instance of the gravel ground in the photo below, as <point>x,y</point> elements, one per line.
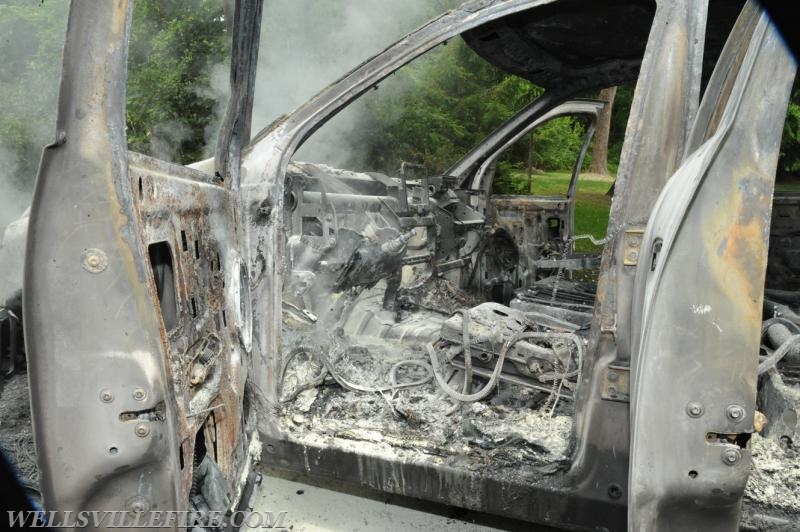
<point>775,481</point>
<point>16,433</point>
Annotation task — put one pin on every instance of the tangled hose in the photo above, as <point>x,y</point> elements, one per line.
<point>327,369</point>
<point>772,360</point>
<point>434,370</point>
<point>779,319</point>
<point>498,368</point>
<point>465,342</point>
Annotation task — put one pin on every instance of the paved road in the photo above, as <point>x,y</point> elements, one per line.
<point>329,507</point>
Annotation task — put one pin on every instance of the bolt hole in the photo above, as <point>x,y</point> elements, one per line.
<point>113,450</point>
<point>656,250</point>
<point>692,474</point>
<point>300,492</point>
<point>614,491</point>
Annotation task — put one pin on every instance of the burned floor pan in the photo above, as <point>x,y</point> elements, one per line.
<point>480,436</point>
<point>487,455</point>
<point>506,474</point>
<point>357,384</point>
<point>516,428</point>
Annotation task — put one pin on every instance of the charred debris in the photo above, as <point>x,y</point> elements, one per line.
<point>416,333</point>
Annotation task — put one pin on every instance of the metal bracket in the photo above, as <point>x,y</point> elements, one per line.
<point>633,245</point>
<point>616,384</point>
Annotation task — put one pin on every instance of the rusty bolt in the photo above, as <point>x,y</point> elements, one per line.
<point>142,430</point>
<point>138,505</point>
<point>613,376</point>
<point>106,396</point>
<point>612,391</point>
<point>694,409</point>
<point>731,456</point>
<point>735,413</point>
<point>139,394</point>
<point>94,260</point>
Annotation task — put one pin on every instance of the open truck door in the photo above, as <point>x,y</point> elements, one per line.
<point>699,289</point>
<point>164,304</point>
<point>136,297</point>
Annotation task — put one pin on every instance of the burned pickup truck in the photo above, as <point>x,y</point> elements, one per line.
<point>416,333</point>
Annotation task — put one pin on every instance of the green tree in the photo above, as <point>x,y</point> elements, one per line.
<point>789,163</point>
<point>175,47</point>
<point>435,110</point>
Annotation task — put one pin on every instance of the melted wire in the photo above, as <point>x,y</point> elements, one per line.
<point>328,369</point>
<point>498,368</point>
<point>772,360</point>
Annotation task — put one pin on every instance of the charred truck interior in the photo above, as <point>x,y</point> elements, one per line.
<point>417,333</point>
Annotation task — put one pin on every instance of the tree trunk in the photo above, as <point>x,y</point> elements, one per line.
<point>600,148</point>
<point>530,163</point>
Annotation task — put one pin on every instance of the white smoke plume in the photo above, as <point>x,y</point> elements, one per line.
<point>305,45</point>
<point>33,37</point>
<point>308,44</point>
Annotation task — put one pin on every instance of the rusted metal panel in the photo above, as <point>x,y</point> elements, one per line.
<point>96,359</point>
<point>700,302</point>
<point>182,208</point>
<point>664,100</point>
<point>121,384</point>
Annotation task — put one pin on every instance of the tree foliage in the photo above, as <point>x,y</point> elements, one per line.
<point>31,50</point>
<point>789,165</point>
<point>176,46</point>
<point>436,109</point>
<point>430,112</point>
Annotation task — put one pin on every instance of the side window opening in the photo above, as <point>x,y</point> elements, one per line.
<point>541,162</point>
<point>783,267</point>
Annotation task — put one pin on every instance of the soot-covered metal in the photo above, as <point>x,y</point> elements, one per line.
<point>416,333</point>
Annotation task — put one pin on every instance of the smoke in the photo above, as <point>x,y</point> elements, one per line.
<point>14,195</point>
<point>33,36</point>
<point>218,89</point>
<point>308,44</point>
<point>305,46</point>
<point>166,137</point>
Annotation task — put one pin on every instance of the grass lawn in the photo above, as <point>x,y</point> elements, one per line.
<point>592,205</point>
<point>787,185</point>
